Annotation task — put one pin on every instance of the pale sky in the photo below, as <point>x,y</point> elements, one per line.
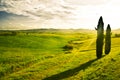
<point>59,13</point>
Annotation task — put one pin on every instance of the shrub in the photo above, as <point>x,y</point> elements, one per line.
<point>68,47</point>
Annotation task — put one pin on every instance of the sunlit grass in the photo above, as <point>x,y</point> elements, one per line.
<point>41,56</point>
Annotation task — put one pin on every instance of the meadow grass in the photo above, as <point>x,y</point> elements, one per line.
<point>41,56</point>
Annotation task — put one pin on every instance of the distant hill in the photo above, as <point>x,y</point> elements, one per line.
<point>54,30</point>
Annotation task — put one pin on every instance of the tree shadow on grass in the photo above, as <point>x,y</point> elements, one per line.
<point>70,72</point>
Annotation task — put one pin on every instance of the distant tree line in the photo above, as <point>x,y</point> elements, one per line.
<point>116,35</point>
<point>100,38</point>
<point>8,33</point>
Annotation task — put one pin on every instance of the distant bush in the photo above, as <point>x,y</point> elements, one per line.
<point>117,35</point>
<point>11,33</point>
<point>68,47</point>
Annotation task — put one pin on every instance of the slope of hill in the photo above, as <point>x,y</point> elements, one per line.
<point>42,56</point>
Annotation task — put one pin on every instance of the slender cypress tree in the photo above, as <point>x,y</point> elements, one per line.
<point>108,40</point>
<point>100,37</point>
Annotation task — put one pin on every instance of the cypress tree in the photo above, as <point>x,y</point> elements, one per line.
<point>108,40</point>
<point>100,37</point>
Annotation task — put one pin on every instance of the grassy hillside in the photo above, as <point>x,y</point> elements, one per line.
<point>56,55</point>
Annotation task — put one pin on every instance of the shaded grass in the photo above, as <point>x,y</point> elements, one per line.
<point>70,72</point>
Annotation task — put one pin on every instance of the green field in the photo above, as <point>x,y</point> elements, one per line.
<point>56,55</point>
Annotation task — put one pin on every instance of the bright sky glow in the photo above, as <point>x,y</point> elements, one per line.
<point>60,13</point>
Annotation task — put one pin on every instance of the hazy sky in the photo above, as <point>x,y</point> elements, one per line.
<point>26,14</point>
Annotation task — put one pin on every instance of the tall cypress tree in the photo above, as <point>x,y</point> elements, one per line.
<point>108,40</point>
<point>100,37</point>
